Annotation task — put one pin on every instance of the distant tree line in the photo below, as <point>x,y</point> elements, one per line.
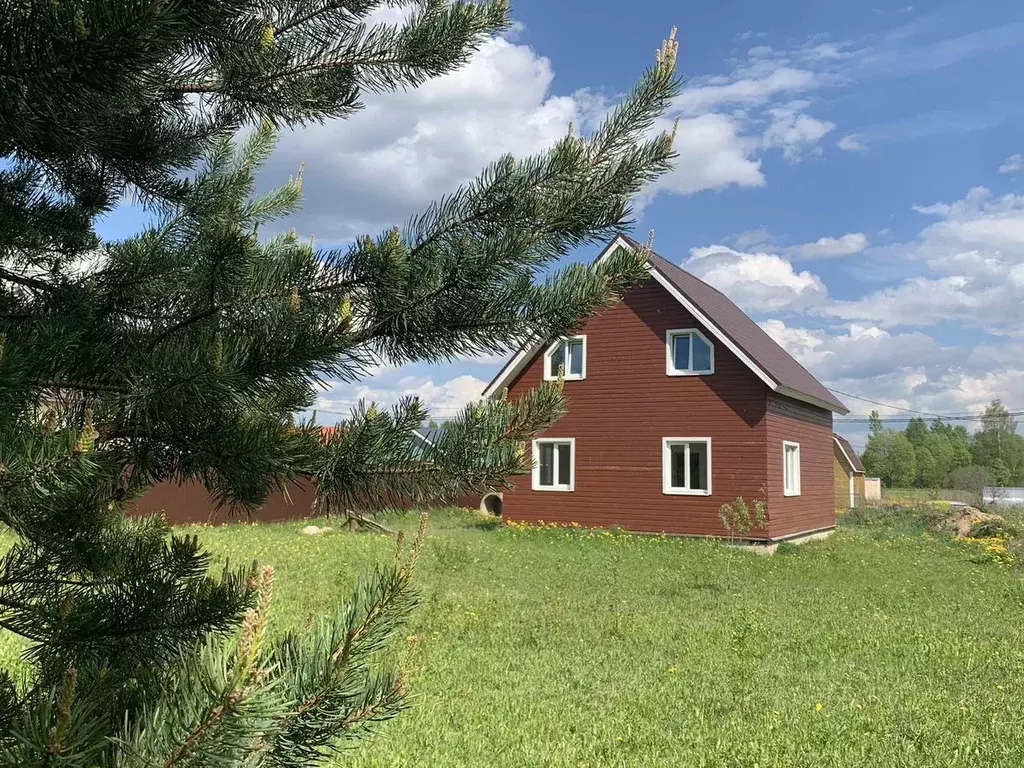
<point>940,455</point>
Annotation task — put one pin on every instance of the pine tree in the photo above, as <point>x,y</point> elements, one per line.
<point>183,351</point>
<point>875,425</point>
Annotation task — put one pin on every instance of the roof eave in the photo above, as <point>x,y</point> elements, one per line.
<point>849,461</point>
<point>835,407</point>
<point>519,362</point>
<point>522,358</point>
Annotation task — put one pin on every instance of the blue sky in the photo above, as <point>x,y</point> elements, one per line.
<point>849,173</point>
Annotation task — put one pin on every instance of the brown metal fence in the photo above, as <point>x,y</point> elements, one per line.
<point>185,503</point>
<point>189,502</point>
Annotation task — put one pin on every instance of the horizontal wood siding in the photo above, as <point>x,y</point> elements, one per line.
<point>626,405</point>
<point>811,427</point>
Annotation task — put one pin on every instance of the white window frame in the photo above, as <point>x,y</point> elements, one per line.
<point>789,488</point>
<point>548,376</point>
<point>670,363</point>
<point>565,488</point>
<point>666,466</point>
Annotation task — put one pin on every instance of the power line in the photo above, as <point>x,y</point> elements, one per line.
<point>1018,412</point>
<point>904,419</point>
<point>886,405</point>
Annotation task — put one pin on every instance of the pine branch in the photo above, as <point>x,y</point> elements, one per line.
<point>26,281</point>
<point>186,348</point>
<point>327,673</point>
<point>84,386</point>
<point>303,19</point>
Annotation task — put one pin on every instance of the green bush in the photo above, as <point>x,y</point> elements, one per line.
<point>993,529</point>
<point>900,519</point>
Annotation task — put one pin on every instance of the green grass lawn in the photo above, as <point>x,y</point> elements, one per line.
<point>882,646</point>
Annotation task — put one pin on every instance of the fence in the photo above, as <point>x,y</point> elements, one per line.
<point>1003,497</point>
<point>933,494</point>
<point>189,502</point>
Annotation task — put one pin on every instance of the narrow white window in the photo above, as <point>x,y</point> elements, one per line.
<point>686,466</point>
<point>688,353</point>
<point>570,353</point>
<point>554,464</point>
<point>790,469</point>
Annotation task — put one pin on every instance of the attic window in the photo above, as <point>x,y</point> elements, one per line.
<point>688,353</point>
<point>570,352</point>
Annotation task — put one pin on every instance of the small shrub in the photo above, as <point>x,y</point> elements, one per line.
<point>738,520</point>
<point>992,529</point>
<point>988,550</point>
<point>904,516</point>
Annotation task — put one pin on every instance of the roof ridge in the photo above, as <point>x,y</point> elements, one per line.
<point>655,254</point>
<point>702,282</point>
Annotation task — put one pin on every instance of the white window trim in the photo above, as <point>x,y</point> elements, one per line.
<point>666,466</point>
<point>790,491</point>
<point>568,377</point>
<point>571,442</point>
<point>670,367</point>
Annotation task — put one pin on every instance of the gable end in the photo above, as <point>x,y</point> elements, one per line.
<point>823,400</point>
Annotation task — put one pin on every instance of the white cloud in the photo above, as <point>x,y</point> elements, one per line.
<point>1012,164</point>
<point>860,353</point>
<point>757,282</point>
<point>899,59</point>
<point>746,88</point>
<point>826,51</point>
<point>443,400</point>
<point>752,238</point>
<point>794,131</point>
<point>972,264</point>
<point>713,154</point>
<point>407,149</point>
<point>829,247</point>
<point>906,370</point>
<point>851,143</point>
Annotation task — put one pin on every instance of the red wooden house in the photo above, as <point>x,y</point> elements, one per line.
<point>678,403</point>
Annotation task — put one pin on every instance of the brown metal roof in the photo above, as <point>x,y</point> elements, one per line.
<point>745,333</point>
<point>855,462</point>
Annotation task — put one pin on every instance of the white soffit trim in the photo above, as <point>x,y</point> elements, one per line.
<point>715,331</point>
<point>849,462</point>
<point>512,369</point>
<point>522,358</point>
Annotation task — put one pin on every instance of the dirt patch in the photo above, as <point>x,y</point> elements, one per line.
<point>965,518</point>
